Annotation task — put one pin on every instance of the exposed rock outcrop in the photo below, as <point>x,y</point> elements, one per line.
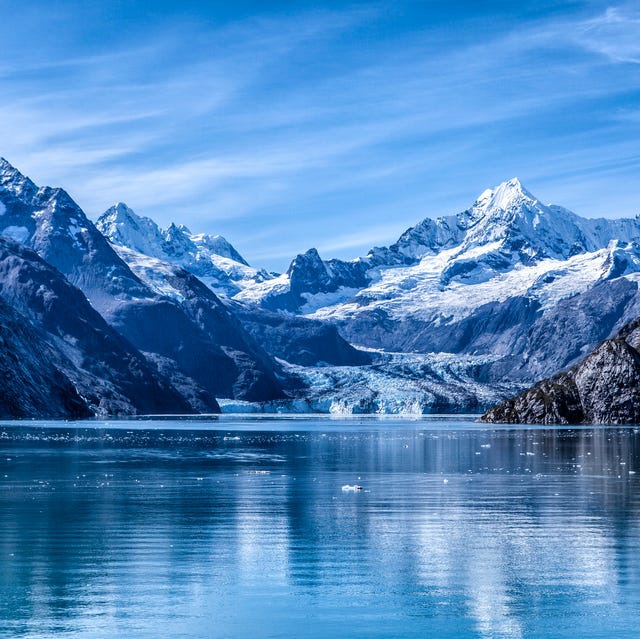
<point>604,388</point>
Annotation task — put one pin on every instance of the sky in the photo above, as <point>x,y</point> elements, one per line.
<point>287,125</point>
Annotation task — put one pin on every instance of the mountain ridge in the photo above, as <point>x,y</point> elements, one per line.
<point>161,328</point>
<point>461,311</point>
<point>505,279</point>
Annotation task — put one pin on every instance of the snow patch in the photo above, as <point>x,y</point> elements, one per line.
<point>321,300</point>
<point>153,272</point>
<point>17,233</point>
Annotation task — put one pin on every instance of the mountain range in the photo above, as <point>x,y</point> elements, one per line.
<point>124,317</point>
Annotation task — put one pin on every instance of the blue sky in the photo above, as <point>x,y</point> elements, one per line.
<point>293,124</point>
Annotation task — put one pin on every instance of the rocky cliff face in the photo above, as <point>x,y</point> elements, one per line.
<point>299,340</point>
<point>604,388</point>
<point>200,335</point>
<point>112,377</point>
<point>30,383</point>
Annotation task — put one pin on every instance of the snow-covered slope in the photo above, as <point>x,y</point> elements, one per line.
<point>492,245</point>
<point>482,282</point>
<point>210,257</point>
<point>419,291</point>
<point>507,280</point>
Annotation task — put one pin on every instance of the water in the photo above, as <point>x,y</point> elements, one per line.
<point>165,529</point>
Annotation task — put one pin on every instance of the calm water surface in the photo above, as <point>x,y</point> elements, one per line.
<point>165,529</point>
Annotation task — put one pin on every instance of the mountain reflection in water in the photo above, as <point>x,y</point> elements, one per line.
<point>459,531</point>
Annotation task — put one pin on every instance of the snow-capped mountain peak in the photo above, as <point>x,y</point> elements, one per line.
<point>122,226</point>
<point>210,257</point>
<point>514,226</point>
<point>508,204</point>
<point>177,243</point>
<point>12,181</point>
<point>217,245</point>
<point>505,196</point>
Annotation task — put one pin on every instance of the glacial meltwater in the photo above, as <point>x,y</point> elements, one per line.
<point>309,528</point>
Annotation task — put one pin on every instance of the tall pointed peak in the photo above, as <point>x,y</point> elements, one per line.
<point>121,225</point>
<point>174,231</point>
<point>122,209</point>
<point>215,244</point>
<point>6,166</point>
<point>308,273</point>
<point>306,260</point>
<point>121,217</point>
<point>12,180</point>
<point>120,212</point>
<point>506,194</point>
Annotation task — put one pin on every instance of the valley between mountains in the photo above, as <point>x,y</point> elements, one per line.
<point>122,317</point>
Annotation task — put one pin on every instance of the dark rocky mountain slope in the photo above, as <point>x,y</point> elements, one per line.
<point>30,384</point>
<point>107,371</point>
<point>604,388</point>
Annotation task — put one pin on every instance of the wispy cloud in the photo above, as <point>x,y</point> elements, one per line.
<point>322,124</point>
<point>615,34</point>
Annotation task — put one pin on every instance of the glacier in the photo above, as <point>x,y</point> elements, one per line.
<point>461,312</point>
<point>476,292</point>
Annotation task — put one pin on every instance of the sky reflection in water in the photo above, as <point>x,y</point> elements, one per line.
<point>460,531</point>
